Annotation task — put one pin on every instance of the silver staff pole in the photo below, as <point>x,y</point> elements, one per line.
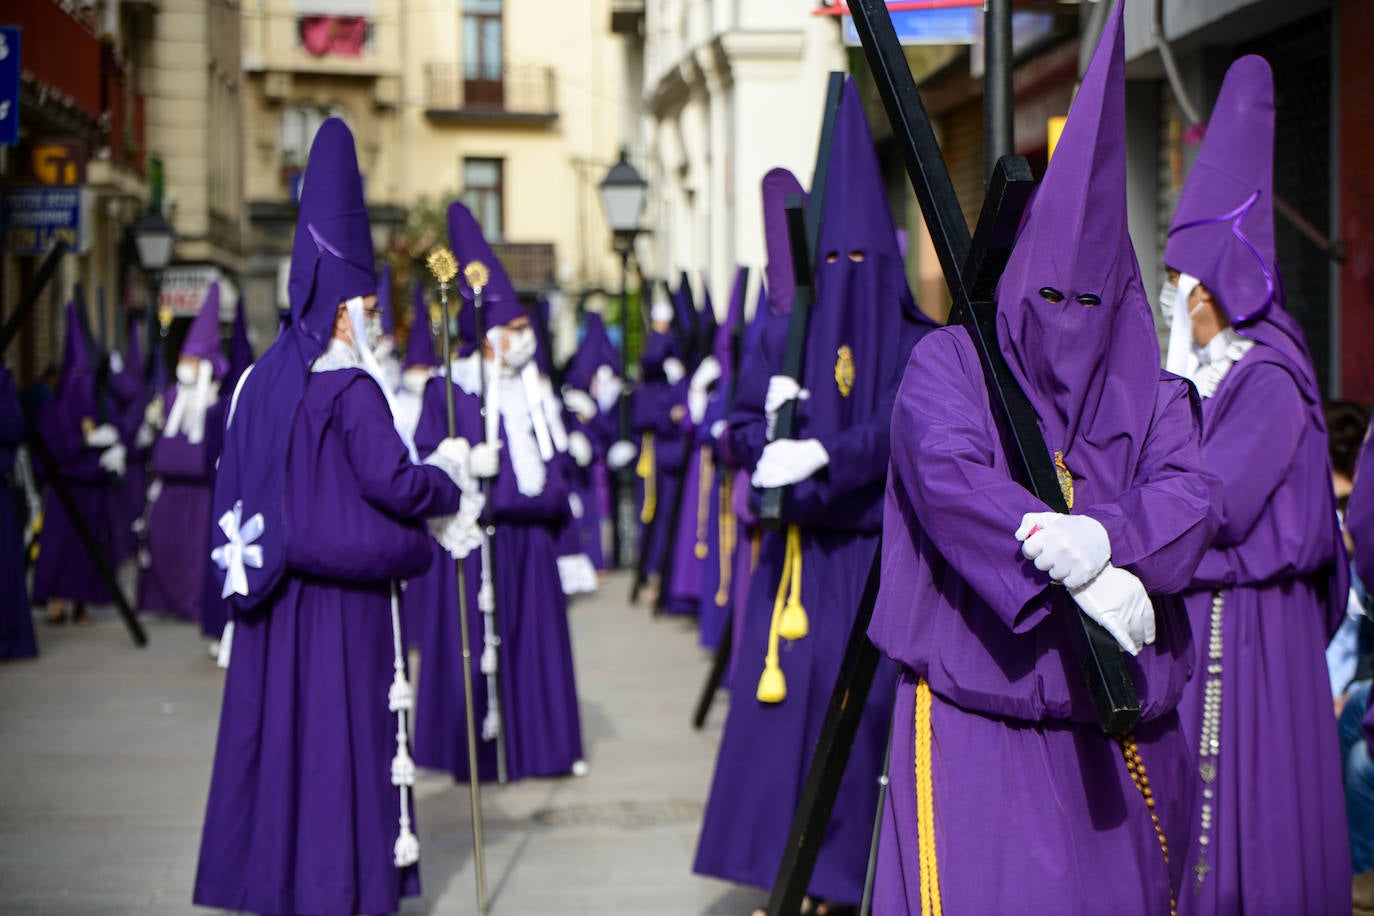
<point>442,265</point>
<point>493,728</point>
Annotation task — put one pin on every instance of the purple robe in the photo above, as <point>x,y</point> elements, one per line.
<point>179,523</point>
<point>1359,513</point>
<point>16,623</point>
<point>541,722</point>
<point>1274,564</point>
<point>302,814</point>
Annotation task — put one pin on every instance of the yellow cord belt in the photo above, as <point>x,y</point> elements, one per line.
<point>925,806</point>
<point>727,534</point>
<point>645,471</point>
<point>789,619</point>
<point>706,475</point>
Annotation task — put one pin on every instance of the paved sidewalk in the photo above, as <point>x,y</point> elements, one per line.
<point>105,753</point>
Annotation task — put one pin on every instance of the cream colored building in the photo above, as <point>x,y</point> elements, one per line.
<point>729,90</point>
<point>517,105</point>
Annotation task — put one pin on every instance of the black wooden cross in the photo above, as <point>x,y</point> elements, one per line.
<point>972,268</point>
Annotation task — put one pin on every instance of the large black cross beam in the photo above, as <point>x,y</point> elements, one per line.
<point>803,237</point>
<point>972,268</point>
<point>44,458</point>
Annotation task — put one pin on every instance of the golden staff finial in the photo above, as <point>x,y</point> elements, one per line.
<point>476,274</point>
<point>441,263</point>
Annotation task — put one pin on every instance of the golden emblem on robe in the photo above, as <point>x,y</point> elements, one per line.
<point>844,371</point>
<point>1061,470</point>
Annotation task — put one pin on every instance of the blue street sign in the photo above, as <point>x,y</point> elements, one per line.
<point>33,218</point>
<point>9,85</point>
<point>954,26</point>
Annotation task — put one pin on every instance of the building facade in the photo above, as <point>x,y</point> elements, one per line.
<point>727,91</point>
<point>513,105</point>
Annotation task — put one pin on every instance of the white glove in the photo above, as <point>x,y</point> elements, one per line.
<point>788,461</point>
<point>707,374</point>
<point>103,436</point>
<point>484,460</point>
<point>608,387</point>
<point>451,456</point>
<point>696,404</point>
<point>155,414</point>
<point>674,370</point>
<point>1118,600</point>
<point>781,389</point>
<point>459,533</point>
<point>113,459</point>
<point>620,454</point>
<point>145,437</point>
<point>1073,549</point>
<point>580,403</point>
<point>718,429</point>
<point>116,362</point>
<point>580,447</point>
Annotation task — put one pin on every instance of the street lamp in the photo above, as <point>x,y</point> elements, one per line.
<point>622,198</point>
<point>153,238</point>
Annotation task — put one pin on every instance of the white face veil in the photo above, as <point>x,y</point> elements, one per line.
<point>357,319</point>
<point>187,415</point>
<point>1182,354</point>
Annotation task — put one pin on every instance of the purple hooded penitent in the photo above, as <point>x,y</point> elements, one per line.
<point>595,351</point>
<point>970,620</point>
<point>420,348</point>
<point>202,337</point>
<point>500,304</point>
<point>64,569</point>
<point>177,536</point>
<point>302,815</point>
<point>862,328</point>
<point>1277,568</point>
<point>331,262</point>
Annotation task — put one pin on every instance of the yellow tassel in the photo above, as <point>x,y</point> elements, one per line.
<point>706,473</point>
<point>726,524</point>
<point>645,471</point>
<point>794,623</point>
<point>754,538</point>
<point>925,806</point>
<point>772,686</point>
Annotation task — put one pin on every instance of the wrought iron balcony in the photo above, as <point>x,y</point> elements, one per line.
<point>518,94</point>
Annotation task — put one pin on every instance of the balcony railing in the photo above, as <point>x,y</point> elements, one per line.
<point>527,93</point>
<point>78,72</point>
<point>531,266</point>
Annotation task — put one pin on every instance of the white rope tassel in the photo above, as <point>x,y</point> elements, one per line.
<point>491,642</point>
<point>399,701</point>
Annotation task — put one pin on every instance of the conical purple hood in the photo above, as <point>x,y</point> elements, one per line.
<point>595,351</point>
<point>133,344</point>
<point>1223,227</point>
<point>1091,370</point>
<point>500,304</point>
<point>707,325</point>
<point>723,346</point>
<point>331,256</point>
<point>202,337</point>
<point>420,349</point>
<point>778,184</point>
<point>240,348</point>
<point>75,396</point>
<point>388,315</point>
<point>543,336</point>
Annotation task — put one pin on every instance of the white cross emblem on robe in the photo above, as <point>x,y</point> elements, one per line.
<point>240,553</point>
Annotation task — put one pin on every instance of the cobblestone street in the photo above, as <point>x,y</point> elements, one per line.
<point>106,760</point>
